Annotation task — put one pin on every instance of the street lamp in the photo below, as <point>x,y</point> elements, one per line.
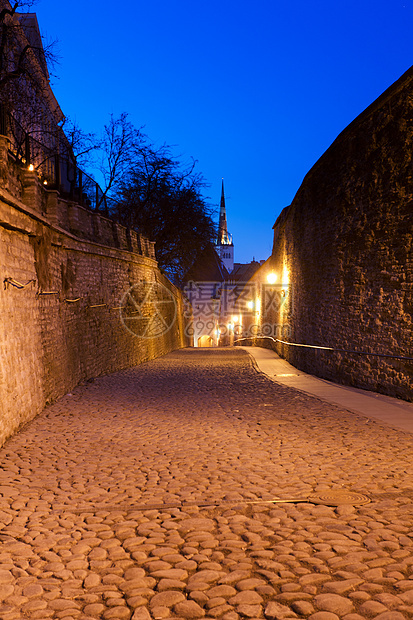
<point>272,278</point>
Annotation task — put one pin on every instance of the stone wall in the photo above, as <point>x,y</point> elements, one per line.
<point>345,248</point>
<point>62,293</point>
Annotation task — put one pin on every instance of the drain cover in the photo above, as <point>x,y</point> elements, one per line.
<point>338,498</point>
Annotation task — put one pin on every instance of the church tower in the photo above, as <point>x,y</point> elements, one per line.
<point>224,246</point>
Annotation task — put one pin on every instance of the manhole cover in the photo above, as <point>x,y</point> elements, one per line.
<point>338,498</point>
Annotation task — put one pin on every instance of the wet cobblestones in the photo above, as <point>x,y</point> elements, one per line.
<point>142,496</point>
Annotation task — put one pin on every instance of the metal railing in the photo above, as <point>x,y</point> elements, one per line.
<point>312,346</point>
<point>53,160</point>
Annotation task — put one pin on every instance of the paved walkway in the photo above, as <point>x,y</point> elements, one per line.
<point>392,411</point>
<point>149,494</point>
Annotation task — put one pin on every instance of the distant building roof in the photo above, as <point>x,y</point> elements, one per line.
<point>208,268</point>
<point>242,272</point>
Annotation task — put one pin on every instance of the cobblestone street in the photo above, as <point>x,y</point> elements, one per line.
<point>145,494</point>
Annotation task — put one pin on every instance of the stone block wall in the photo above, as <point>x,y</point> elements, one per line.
<point>345,244</point>
<point>60,297</point>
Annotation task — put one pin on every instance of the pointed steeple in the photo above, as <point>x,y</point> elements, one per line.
<point>223,236</point>
<point>224,246</point>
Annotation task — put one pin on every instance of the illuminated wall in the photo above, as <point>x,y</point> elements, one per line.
<point>65,272</point>
<point>346,246</point>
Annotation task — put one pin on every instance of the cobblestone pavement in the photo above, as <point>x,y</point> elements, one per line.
<point>142,495</point>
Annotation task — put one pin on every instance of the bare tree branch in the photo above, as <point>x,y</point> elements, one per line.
<point>83,145</point>
<point>120,147</point>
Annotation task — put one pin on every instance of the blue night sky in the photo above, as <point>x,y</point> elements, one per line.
<point>255,92</point>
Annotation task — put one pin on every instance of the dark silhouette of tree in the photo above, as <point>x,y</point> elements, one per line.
<point>162,198</point>
<point>154,193</point>
<point>83,146</point>
<point>119,150</point>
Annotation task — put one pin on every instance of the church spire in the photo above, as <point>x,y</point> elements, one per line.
<point>223,236</point>
<point>224,246</point>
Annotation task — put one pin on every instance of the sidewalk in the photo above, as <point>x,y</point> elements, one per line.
<point>396,413</point>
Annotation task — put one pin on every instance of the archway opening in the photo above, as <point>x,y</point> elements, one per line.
<point>205,341</point>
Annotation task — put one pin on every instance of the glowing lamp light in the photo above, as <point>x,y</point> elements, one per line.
<point>272,278</point>
<point>45,182</point>
<point>235,319</point>
<point>286,278</point>
<point>250,304</point>
<point>31,167</point>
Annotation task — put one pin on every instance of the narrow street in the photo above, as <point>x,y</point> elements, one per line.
<point>147,494</point>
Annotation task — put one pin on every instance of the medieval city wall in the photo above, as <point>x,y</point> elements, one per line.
<point>345,246</point>
<point>64,274</point>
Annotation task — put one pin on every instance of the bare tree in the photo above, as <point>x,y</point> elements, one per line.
<point>154,193</point>
<point>120,147</point>
<point>163,199</point>
<point>151,191</point>
<point>83,146</point>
